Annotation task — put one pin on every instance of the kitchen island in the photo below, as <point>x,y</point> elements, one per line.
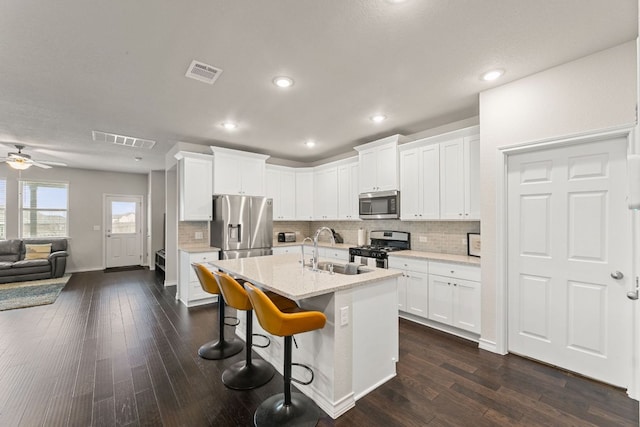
<point>356,351</point>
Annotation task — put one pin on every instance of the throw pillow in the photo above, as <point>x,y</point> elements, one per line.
<point>37,251</point>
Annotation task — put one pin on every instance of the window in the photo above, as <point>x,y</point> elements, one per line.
<point>3,209</point>
<point>43,209</point>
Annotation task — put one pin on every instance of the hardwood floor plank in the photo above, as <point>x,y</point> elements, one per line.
<point>118,349</point>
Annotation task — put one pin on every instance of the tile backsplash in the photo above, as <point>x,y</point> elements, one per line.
<point>430,236</point>
<point>187,233</point>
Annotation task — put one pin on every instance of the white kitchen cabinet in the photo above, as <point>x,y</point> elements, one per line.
<point>281,187</point>
<point>413,285</point>
<point>348,191</point>
<point>238,172</point>
<point>454,295</point>
<point>333,254</point>
<point>190,291</point>
<point>459,179</point>
<point>378,165</point>
<point>420,183</point>
<point>285,250</point>
<point>304,194</point>
<point>195,171</point>
<point>325,194</point>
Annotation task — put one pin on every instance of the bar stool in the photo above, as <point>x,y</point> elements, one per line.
<point>247,374</point>
<point>221,349</point>
<point>286,409</point>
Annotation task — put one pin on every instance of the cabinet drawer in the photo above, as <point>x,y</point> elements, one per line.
<point>203,257</point>
<point>460,271</point>
<point>409,264</point>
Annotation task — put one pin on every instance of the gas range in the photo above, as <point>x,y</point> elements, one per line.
<point>382,242</point>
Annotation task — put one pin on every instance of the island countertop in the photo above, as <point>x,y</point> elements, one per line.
<point>284,275</point>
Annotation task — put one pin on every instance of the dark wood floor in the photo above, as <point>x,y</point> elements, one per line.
<point>116,349</point>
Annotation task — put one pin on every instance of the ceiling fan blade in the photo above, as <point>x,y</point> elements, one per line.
<point>41,165</point>
<point>52,163</point>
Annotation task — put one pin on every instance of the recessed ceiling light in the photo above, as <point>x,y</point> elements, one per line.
<point>377,118</point>
<point>310,144</point>
<point>395,1</point>
<point>229,125</point>
<point>137,159</point>
<point>492,75</point>
<point>283,81</point>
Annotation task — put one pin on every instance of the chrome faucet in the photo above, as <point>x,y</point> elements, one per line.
<point>315,245</point>
<point>302,247</point>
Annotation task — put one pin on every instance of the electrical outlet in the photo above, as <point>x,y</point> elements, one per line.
<point>464,241</point>
<point>199,235</point>
<point>344,316</point>
<point>422,239</point>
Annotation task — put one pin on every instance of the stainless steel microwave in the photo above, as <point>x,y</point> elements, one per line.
<point>379,205</point>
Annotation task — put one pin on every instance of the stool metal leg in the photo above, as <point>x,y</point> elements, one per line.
<point>287,409</point>
<point>221,349</point>
<point>248,374</point>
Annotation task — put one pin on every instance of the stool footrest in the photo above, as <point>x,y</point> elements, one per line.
<point>262,345</point>
<point>295,380</point>
<point>236,321</point>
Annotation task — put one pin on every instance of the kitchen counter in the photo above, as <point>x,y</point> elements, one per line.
<point>357,349</point>
<point>437,256</point>
<point>320,244</point>
<point>196,249</point>
<point>284,275</point>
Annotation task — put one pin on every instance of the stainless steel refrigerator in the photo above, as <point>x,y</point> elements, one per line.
<point>242,226</point>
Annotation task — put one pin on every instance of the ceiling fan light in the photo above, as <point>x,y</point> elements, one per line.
<point>18,165</point>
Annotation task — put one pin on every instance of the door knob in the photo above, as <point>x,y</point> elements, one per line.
<point>617,275</point>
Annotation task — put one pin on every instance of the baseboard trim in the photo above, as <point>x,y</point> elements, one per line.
<point>487,345</point>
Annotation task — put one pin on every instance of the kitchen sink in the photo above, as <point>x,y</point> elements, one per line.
<point>340,268</point>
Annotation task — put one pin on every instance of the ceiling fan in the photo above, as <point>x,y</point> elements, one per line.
<point>22,161</point>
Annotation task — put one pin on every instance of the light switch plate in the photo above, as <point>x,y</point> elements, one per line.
<point>96,228</point>
<point>422,239</point>
<point>344,316</point>
<point>199,235</point>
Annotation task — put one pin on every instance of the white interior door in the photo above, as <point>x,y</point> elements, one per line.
<point>123,230</point>
<point>569,232</point>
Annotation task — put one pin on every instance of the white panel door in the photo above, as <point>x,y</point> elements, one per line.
<point>440,299</point>
<point>123,226</point>
<point>568,231</point>
<point>452,179</point>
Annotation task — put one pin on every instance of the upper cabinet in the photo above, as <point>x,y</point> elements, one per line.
<point>281,187</point>
<point>304,194</point>
<point>325,194</point>
<point>459,178</point>
<point>378,165</point>
<point>420,183</point>
<point>238,172</point>
<point>194,186</point>
<point>439,177</point>
<point>348,191</point>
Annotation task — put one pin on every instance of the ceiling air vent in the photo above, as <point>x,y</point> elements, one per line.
<point>127,141</point>
<point>203,72</point>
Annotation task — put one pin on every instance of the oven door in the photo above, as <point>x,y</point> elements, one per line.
<point>380,205</point>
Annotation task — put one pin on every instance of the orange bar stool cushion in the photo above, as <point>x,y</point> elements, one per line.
<point>207,280</point>
<point>234,293</point>
<point>289,322</point>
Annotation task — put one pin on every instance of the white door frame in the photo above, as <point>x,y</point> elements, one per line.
<point>502,300</point>
<point>140,199</point>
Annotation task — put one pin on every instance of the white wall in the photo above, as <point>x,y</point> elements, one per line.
<point>595,92</point>
<point>86,189</point>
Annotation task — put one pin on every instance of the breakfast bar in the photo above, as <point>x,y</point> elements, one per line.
<point>356,351</point>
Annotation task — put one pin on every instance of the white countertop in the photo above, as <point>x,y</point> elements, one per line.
<point>320,244</point>
<point>284,275</point>
<point>195,249</point>
<point>437,256</point>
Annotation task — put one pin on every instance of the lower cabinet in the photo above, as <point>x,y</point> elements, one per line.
<point>453,298</point>
<point>190,291</point>
<point>282,250</point>
<point>413,285</point>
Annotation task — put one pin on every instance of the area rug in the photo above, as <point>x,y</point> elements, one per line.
<point>32,293</point>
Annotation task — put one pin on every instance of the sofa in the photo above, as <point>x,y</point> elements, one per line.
<point>32,259</point>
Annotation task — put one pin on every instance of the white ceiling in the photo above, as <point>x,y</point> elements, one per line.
<point>72,66</point>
